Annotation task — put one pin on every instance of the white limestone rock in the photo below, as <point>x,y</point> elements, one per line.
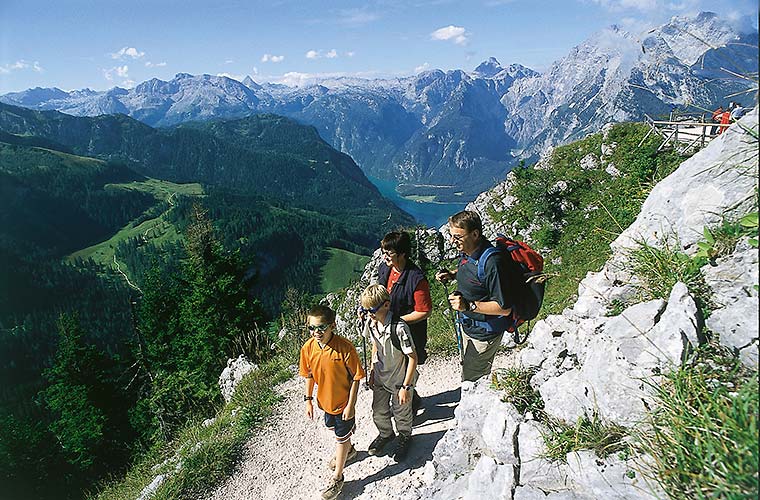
<point>669,342</point>
<point>590,162</point>
<point>490,480</point>
<point>232,375</point>
<point>535,470</point>
<point>733,280</point>
<point>608,478</point>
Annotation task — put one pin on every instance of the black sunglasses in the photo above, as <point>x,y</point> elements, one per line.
<point>321,328</point>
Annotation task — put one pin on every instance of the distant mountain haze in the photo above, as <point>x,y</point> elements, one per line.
<point>453,133</point>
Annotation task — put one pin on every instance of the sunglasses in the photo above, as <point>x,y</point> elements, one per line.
<point>321,328</point>
<point>388,253</point>
<point>458,237</point>
<point>372,310</point>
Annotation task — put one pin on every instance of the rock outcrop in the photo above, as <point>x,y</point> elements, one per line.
<point>233,374</point>
<point>587,362</point>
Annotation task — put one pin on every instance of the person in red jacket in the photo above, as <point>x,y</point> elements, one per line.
<point>716,116</point>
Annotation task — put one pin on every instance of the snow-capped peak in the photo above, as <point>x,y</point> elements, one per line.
<point>689,38</point>
<point>488,68</point>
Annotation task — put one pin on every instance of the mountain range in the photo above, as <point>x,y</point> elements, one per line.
<point>454,133</point>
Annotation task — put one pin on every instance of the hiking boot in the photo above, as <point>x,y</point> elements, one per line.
<point>333,488</point>
<point>379,443</point>
<point>349,458</point>
<point>402,447</point>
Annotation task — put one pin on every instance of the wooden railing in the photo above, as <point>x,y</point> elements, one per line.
<point>684,135</point>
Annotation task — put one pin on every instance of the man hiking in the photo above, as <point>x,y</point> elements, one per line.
<point>409,292</point>
<point>393,373</point>
<point>482,305</point>
<point>332,363</point>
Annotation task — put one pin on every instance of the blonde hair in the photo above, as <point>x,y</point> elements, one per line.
<point>374,295</point>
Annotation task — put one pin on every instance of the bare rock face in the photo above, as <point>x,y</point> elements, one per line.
<point>495,453</point>
<point>734,280</point>
<point>232,375</point>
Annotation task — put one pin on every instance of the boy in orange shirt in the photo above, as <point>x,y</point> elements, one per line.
<point>331,362</point>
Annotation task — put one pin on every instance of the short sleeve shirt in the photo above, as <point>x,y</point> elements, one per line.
<point>389,366</point>
<point>334,367</point>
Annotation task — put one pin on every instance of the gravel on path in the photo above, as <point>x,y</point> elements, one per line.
<point>287,459</point>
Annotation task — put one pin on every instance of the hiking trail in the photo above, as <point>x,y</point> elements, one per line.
<point>287,458</point>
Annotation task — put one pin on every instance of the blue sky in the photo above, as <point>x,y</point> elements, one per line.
<point>74,44</point>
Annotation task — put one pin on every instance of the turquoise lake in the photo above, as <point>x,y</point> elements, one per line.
<point>429,214</point>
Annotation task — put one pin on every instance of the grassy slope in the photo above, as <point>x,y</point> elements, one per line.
<point>156,230</point>
<point>341,269</point>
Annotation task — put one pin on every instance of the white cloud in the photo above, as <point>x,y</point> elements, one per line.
<point>422,67</point>
<point>127,52</point>
<point>21,64</point>
<point>229,61</point>
<point>271,58</point>
<point>457,34</point>
<point>120,71</point>
<point>350,53</point>
<point>330,54</point>
<point>149,64</point>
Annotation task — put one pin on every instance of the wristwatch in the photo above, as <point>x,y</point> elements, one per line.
<point>407,387</point>
<point>307,398</point>
<point>473,306</point>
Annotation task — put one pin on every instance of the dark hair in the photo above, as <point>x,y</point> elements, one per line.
<point>322,312</point>
<point>397,241</point>
<point>467,220</point>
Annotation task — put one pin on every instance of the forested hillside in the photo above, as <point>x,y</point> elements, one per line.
<point>210,223</point>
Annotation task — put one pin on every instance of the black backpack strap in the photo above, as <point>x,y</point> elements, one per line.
<point>394,335</point>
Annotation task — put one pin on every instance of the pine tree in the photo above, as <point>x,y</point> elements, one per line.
<point>78,424</point>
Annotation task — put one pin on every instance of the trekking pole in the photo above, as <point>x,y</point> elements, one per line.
<point>360,328</point>
<point>457,324</point>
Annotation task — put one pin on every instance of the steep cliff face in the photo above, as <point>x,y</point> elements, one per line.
<point>589,362</point>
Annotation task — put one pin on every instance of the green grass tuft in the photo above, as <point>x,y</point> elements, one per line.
<point>515,382</point>
<point>659,269</point>
<point>588,433</point>
<point>703,432</point>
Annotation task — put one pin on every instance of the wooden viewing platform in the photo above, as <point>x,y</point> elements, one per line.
<point>687,134</point>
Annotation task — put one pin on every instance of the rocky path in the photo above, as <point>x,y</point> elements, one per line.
<point>288,458</point>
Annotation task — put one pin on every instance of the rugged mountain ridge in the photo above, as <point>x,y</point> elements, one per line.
<point>453,133</point>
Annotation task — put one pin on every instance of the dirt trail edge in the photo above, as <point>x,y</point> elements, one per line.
<point>287,459</point>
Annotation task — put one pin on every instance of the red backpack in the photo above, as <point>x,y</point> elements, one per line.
<point>528,295</point>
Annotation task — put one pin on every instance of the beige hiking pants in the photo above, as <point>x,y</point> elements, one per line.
<point>478,356</point>
<point>384,405</point>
